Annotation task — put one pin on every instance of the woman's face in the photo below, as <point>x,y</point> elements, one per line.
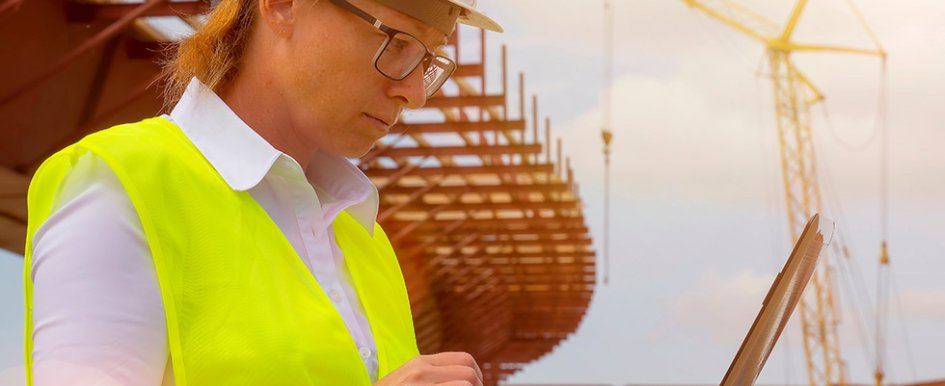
<point>337,101</point>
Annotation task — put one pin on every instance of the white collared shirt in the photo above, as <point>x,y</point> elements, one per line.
<point>97,310</point>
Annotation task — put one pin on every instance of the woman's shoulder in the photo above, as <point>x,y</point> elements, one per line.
<point>148,135</point>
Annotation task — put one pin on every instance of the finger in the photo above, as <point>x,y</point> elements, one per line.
<point>438,374</point>
<point>454,358</point>
<point>458,383</point>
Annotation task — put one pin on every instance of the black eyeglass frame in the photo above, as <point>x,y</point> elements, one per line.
<point>427,58</point>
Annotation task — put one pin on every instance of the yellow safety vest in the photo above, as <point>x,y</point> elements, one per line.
<point>241,307</point>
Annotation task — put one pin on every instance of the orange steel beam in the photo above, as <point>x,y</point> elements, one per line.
<point>467,69</point>
<point>13,187</point>
<point>518,243</point>
<point>545,257</point>
<point>380,149</point>
<point>439,102</point>
<point>497,188</point>
<point>403,171</point>
<point>534,125</point>
<point>570,310</point>
<point>505,73</point>
<point>538,312</point>
<point>444,231</point>
<point>480,243</point>
<point>543,324</point>
<point>384,214</point>
<point>424,230</point>
<point>455,247</point>
<point>550,222</point>
<point>459,127</point>
<point>540,205</point>
<point>94,95</point>
<point>556,290</point>
<point>401,233</point>
<point>558,165</point>
<point>563,223</point>
<point>10,5</point>
<point>553,297</point>
<point>506,266</point>
<point>99,120</point>
<point>575,232</point>
<point>104,35</point>
<point>82,12</point>
<point>548,323</point>
<point>546,231</point>
<point>554,278</point>
<point>464,170</point>
<point>410,226</point>
<point>568,268</point>
<point>564,304</point>
<point>146,50</point>
<point>397,152</point>
<point>557,281</point>
<point>12,233</point>
<point>521,108</point>
<point>540,235</point>
<point>473,302</point>
<point>560,293</point>
<point>483,308</point>
<point>472,316</point>
<point>575,239</point>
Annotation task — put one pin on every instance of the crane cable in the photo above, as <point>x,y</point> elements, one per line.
<point>606,133</point>
<point>884,274</point>
<point>882,282</point>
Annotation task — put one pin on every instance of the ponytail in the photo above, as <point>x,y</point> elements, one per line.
<point>213,53</point>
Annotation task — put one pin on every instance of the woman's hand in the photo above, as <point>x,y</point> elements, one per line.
<point>446,369</point>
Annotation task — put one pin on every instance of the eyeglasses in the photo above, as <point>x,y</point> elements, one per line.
<point>401,53</point>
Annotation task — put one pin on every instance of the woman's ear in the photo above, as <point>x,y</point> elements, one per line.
<point>279,15</point>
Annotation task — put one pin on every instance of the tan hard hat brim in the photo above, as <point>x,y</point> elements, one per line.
<point>470,16</point>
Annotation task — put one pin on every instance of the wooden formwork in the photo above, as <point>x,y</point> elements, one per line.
<point>487,224</point>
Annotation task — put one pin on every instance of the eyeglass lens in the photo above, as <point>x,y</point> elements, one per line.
<point>403,53</point>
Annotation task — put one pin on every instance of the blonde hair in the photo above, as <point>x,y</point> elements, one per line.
<point>213,53</point>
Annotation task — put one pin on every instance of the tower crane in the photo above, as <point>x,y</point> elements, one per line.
<point>794,95</point>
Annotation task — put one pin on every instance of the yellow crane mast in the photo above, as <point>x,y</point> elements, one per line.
<point>794,95</point>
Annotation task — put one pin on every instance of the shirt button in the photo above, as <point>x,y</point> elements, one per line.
<point>335,296</point>
<point>365,352</point>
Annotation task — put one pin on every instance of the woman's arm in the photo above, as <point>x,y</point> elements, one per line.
<point>97,309</point>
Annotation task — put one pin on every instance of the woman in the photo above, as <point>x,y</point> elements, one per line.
<point>230,242</point>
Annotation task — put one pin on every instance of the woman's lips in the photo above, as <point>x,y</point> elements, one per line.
<point>379,124</point>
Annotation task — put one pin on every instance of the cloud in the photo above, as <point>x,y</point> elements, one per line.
<point>685,91</point>
<point>923,303</point>
<point>671,139</point>
<point>722,306</point>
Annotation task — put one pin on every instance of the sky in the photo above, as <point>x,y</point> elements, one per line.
<point>698,227</point>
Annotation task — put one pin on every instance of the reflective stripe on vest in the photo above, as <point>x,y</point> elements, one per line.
<point>241,306</point>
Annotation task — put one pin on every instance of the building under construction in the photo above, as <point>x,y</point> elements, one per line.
<point>484,216</point>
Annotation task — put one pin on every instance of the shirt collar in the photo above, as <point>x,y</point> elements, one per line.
<point>243,158</point>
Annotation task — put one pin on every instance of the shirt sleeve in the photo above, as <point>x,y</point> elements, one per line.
<point>98,318</point>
